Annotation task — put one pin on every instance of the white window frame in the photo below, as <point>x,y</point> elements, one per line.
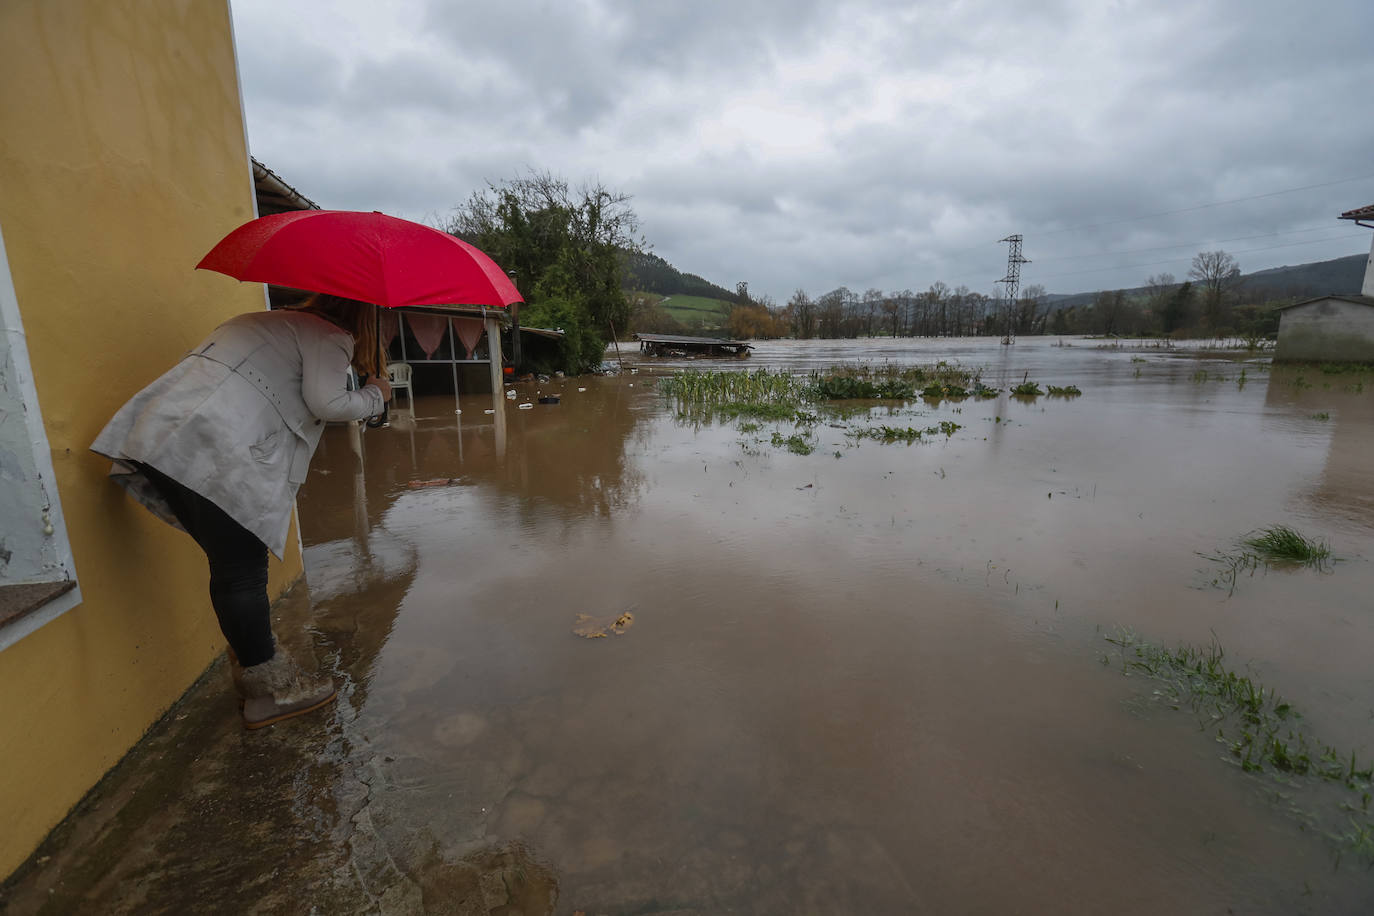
<point>12,326</point>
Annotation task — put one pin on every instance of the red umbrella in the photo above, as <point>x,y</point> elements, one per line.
<point>371,257</point>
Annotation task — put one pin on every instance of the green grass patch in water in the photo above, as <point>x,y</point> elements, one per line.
<point>694,388</point>
<point>1067,391</point>
<point>797,444</point>
<point>907,434</point>
<point>888,382</point>
<point>1261,732</point>
<point>849,388</point>
<point>1282,544</point>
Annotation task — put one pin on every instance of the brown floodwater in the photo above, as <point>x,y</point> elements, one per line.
<point>869,679</point>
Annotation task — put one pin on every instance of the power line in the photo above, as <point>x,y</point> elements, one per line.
<point>1219,203</point>
<point>1095,270</point>
<point>1128,219</point>
<point>1238,238</point>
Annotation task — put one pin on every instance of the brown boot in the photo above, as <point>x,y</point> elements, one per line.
<point>278,689</point>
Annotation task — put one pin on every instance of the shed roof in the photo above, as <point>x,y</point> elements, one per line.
<point>1359,213</point>
<point>275,195</point>
<point>1356,299</point>
<point>552,333</point>
<point>700,341</point>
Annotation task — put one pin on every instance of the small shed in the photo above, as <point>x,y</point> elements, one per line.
<point>676,345</point>
<point>1336,328</point>
<point>1329,329</point>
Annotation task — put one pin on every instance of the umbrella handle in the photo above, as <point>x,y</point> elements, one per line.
<point>382,418</point>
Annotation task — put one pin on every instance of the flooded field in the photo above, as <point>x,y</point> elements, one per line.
<point>870,679</point>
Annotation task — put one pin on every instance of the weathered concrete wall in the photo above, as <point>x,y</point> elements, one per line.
<point>25,554</point>
<point>122,160</point>
<point>1367,289</point>
<point>1327,330</point>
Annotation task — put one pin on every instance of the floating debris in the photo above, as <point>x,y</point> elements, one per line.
<point>589,627</point>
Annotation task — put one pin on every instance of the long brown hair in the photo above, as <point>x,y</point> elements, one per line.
<point>358,319</point>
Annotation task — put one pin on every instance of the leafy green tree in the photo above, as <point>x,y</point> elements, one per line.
<point>566,250</point>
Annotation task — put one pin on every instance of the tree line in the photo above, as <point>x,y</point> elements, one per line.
<point>1209,302</point>
<point>574,252</point>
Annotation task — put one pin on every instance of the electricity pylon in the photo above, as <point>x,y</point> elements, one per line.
<point>1012,284</point>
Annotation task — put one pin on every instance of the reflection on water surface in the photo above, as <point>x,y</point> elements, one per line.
<point>864,682</point>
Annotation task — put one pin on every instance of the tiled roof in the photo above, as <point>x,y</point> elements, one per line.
<point>275,195</point>
<point>1357,300</point>
<point>1359,213</point>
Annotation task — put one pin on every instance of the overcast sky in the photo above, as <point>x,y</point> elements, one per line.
<point>867,144</point>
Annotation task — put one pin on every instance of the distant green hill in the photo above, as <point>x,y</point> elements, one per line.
<point>651,274</point>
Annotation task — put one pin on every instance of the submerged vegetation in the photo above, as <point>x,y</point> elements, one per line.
<point>766,395</point>
<point>887,382</point>
<point>1279,546</point>
<point>697,388</point>
<point>797,443</point>
<point>1262,732</point>
<point>1282,544</point>
<point>907,434</point>
<point>1067,391</point>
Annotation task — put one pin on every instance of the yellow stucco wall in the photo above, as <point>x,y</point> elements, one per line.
<point>122,160</point>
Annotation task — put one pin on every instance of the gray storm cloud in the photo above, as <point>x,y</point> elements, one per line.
<point>866,144</point>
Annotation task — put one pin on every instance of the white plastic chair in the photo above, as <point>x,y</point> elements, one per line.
<point>399,376</point>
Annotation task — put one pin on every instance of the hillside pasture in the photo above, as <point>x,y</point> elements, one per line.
<point>697,311</point>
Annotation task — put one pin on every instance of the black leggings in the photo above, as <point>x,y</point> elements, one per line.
<point>238,568</point>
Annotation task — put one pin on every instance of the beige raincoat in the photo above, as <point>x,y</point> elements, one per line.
<point>238,419</point>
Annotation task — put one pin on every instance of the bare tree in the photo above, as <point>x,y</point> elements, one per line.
<point>1031,311</point>
<point>1217,273</point>
<point>872,303</point>
<point>830,313</point>
<point>1159,289</point>
<point>1109,308</point>
<point>803,313</point>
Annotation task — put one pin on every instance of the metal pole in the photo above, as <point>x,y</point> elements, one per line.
<point>514,310</point>
<point>453,356</point>
<point>498,400</point>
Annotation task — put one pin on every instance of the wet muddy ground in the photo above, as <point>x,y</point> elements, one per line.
<point>868,679</point>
